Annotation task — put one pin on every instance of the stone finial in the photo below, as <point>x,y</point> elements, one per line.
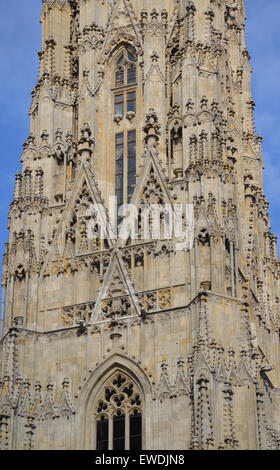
<point>86,142</point>
<point>151,128</point>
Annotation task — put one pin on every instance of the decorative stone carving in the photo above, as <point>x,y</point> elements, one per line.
<point>71,316</point>
<point>121,395</point>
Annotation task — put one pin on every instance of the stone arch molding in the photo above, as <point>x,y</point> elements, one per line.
<point>92,389</point>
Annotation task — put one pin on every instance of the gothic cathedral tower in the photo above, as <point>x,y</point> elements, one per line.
<point>113,344</point>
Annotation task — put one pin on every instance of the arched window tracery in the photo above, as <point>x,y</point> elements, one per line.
<point>125,82</point>
<point>118,415</point>
<point>126,68</point>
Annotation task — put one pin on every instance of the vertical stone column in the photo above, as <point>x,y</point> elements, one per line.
<point>2,324</point>
<point>30,428</point>
<point>4,431</point>
<point>154,69</point>
<point>203,415</point>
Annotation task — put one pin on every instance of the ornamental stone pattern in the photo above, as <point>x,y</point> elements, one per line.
<point>194,333</point>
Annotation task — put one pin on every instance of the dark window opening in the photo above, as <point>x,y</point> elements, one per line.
<point>119,432</point>
<point>119,171</point>
<point>102,434</point>
<point>131,75</point>
<point>131,56</point>
<point>123,428</point>
<point>131,163</point>
<point>120,77</point>
<point>227,246</point>
<point>135,431</point>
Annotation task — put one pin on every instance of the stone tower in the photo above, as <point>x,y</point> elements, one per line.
<point>123,344</point>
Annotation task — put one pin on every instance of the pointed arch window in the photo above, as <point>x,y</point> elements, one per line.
<point>118,414</point>
<point>126,68</point>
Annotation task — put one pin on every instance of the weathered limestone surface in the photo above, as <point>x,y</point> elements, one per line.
<point>196,332</point>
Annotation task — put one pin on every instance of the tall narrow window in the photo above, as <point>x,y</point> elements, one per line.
<point>131,75</point>
<point>119,415</point>
<point>119,76</point>
<point>131,163</point>
<point>125,166</point>
<point>119,432</point>
<point>102,434</point>
<point>125,105</point>
<point>136,431</point>
<point>119,103</point>
<point>119,189</point>
<point>131,101</point>
<point>125,82</point>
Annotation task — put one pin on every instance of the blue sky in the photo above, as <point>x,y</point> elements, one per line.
<point>20,39</point>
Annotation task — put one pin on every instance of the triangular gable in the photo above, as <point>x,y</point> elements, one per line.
<point>25,404</point>
<point>154,74</point>
<point>83,177</point>
<point>65,407</point>
<point>36,406</point>
<point>116,298</point>
<point>210,66</point>
<point>243,373</point>
<point>151,164</point>
<point>48,411</point>
<point>181,385</point>
<point>233,376</point>
<point>164,389</point>
<point>151,176</point>
<point>121,8</point>
<point>206,220</point>
<point>202,365</point>
<point>222,373</point>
